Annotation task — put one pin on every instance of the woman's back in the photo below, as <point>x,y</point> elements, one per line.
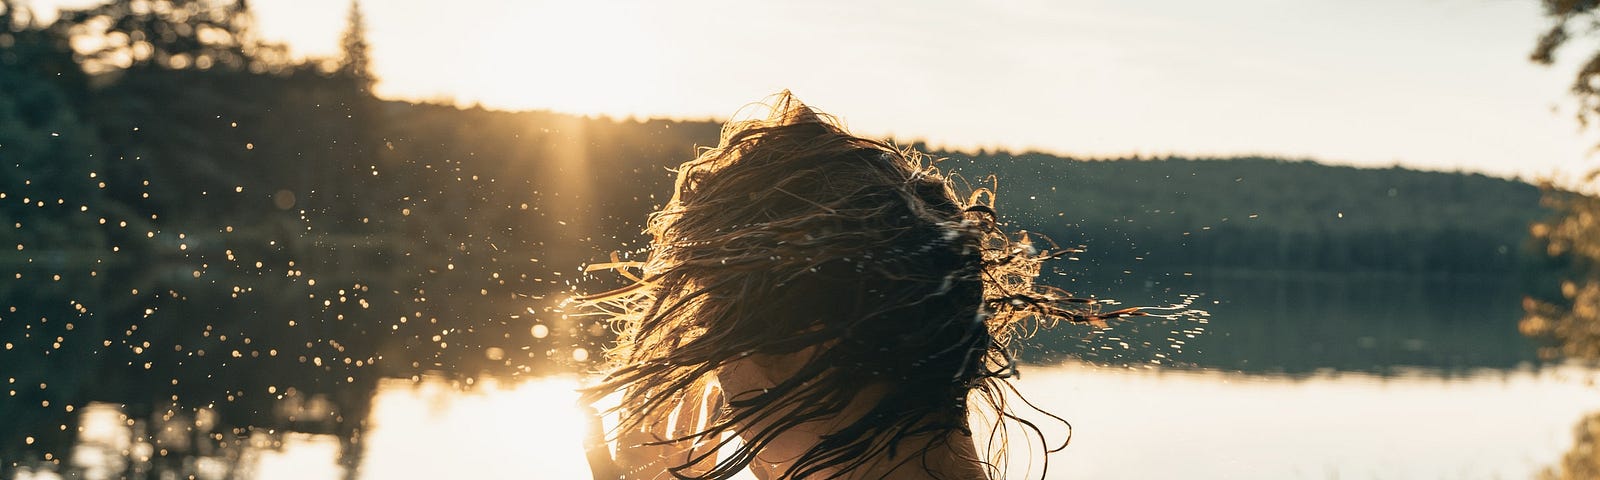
<point>844,303</point>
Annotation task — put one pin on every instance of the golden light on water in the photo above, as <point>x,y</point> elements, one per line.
<point>1266,427</point>
<point>431,430</point>
<point>302,456</point>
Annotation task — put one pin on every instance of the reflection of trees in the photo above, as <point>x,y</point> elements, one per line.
<point>1582,462</point>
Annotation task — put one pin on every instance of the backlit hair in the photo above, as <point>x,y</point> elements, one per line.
<point>793,236</point>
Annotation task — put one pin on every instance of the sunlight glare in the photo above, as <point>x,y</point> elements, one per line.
<point>570,56</point>
<point>302,457</point>
<point>526,430</point>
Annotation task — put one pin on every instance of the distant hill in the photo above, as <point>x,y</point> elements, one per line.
<point>1235,213</point>
<point>1240,213</point>
<point>1264,213</point>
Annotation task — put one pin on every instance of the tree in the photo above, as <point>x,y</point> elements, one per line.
<point>1569,313</point>
<point>356,61</point>
<point>1573,18</point>
<point>171,34</point>
<point>48,149</point>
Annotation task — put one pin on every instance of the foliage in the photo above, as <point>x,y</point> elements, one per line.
<point>1582,461</point>
<point>1573,19</point>
<point>1569,315</point>
<point>168,34</point>
<point>356,61</point>
<point>51,154</point>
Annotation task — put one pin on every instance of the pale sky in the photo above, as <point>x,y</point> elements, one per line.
<point>1432,84</point>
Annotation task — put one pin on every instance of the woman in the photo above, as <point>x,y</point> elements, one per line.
<point>817,305</point>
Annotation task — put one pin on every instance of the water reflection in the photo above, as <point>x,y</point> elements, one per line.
<point>1411,424</point>
<point>1274,322</point>
<point>1582,461</point>
<point>231,398</point>
<point>524,430</point>
<point>298,456</point>
<point>1204,424</point>
<point>425,429</point>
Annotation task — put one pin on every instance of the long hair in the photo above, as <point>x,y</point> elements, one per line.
<point>856,264</point>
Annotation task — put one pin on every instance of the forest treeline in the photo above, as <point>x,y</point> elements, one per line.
<point>1267,214</point>
<point>184,199</point>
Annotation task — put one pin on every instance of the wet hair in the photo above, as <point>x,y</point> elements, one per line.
<point>857,262</point>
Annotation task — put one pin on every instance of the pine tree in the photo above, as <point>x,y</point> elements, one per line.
<point>356,62</point>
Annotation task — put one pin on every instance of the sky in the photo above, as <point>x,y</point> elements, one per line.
<point>1429,84</point>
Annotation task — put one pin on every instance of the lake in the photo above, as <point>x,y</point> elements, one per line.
<point>1142,423</point>
<point>1286,377</point>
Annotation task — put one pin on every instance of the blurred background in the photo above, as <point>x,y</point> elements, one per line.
<point>318,239</point>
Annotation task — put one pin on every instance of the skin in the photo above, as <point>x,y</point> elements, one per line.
<point>955,459</point>
<point>952,459</point>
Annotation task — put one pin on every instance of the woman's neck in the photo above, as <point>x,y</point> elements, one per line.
<point>941,455</point>
<point>945,455</point>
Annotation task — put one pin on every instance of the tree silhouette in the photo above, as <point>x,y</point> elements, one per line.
<point>356,61</point>
<point>172,34</point>
<point>1573,19</point>
<point>48,149</point>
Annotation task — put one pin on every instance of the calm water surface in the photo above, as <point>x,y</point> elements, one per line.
<point>1319,377</point>
<point>1129,423</point>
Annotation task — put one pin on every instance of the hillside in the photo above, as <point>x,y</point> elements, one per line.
<point>1262,213</point>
